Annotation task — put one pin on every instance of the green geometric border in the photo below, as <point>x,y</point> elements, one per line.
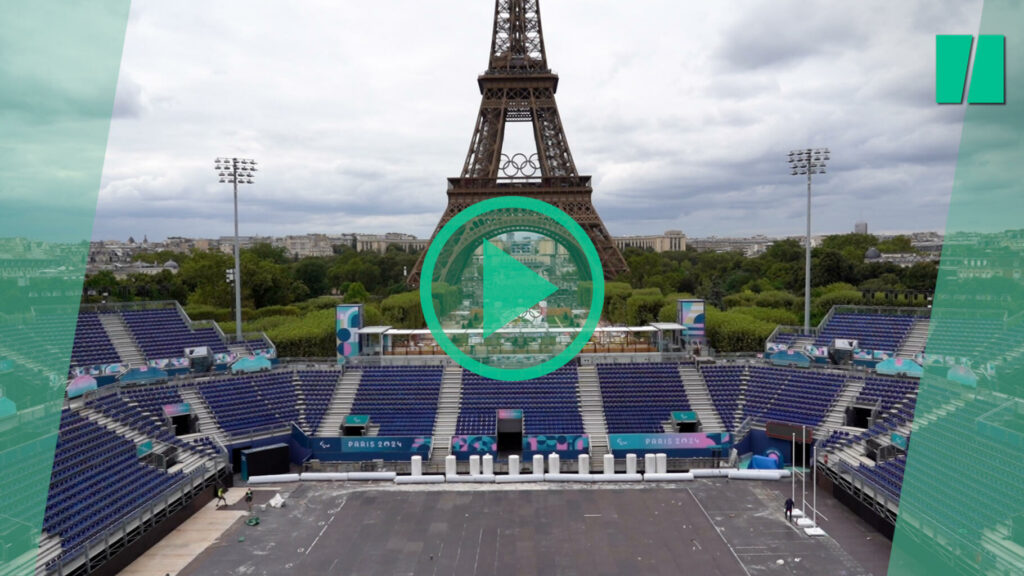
<point>59,65</point>
<point>964,481</point>
<point>596,301</point>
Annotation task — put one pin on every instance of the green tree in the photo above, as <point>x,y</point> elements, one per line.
<point>403,310</point>
<point>896,245</point>
<point>643,306</point>
<point>204,276</point>
<point>313,273</point>
<point>356,294</point>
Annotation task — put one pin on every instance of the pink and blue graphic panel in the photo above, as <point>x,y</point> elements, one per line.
<point>691,316</point>
<point>349,323</point>
<point>80,385</point>
<point>172,410</point>
<point>566,445</point>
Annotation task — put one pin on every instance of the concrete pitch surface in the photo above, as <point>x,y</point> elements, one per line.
<point>711,527</point>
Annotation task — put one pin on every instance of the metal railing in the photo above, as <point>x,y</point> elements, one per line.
<point>856,475</point>
<point>879,310</point>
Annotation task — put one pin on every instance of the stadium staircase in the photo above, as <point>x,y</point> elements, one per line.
<point>190,462</point>
<point>700,398</point>
<point>836,417</point>
<point>588,388</point>
<point>300,397</point>
<point>207,424</point>
<point>122,340</point>
<point>239,349</point>
<point>801,342</point>
<point>341,403</point>
<point>449,403</point>
<point>915,340</point>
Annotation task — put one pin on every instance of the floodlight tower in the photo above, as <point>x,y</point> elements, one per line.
<point>810,162</point>
<point>236,171</point>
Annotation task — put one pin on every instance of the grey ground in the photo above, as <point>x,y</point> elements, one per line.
<point>708,527</point>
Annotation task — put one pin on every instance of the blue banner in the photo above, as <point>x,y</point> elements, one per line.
<point>369,447</point>
<point>696,445</point>
<point>357,420</point>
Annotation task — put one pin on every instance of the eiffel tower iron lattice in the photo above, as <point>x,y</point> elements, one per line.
<point>518,86</point>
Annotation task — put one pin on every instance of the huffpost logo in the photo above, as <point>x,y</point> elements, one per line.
<point>988,76</point>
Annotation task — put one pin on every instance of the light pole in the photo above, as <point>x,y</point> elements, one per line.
<point>236,171</point>
<point>810,162</point>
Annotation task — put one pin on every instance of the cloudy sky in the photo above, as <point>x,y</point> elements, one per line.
<point>682,111</point>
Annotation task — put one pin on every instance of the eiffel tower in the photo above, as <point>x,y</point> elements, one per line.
<point>519,87</point>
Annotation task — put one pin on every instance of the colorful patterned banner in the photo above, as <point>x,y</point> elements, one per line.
<point>349,323</point>
<point>691,316</point>
<point>171,410</point>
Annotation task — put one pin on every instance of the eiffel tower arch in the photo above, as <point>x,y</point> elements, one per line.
<point>518,86</point>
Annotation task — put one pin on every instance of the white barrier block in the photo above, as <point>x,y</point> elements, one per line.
<point>474,465</point>
<point>488,462</point>
<point>661,464</point>
<point>513,465</point>
<point>609,465</point>
<point>616,478</point>
<point>568,478</point>
<point>554,464</point>
<point>631,464</point>
<point>370,476</point>
<point>798,513</point>
<point>323,476</point>
<point>712,472</point>
<point>805,523</point>
<point>815,531</point>
<point>273,479</point>
<point>417,466</point>
<point>419,480</point>
<point>519,479</point>
<point>450,465</point>
<point>649,464</point>
<point>668,477</point>
<point>538,464</point>
<point>484,479</point>
<point>583,466</point>
<point>754,475</point>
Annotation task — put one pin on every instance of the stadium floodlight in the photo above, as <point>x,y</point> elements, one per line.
<point>236,171</point>
<point>809,161</point>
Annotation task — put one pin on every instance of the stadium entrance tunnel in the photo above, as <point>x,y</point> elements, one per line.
<point>510,433</point>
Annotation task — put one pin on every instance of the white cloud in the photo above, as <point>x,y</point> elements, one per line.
<point>682,112</point>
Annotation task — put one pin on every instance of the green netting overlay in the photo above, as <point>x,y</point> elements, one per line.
<point>59,63</point>
<point>964,484</point>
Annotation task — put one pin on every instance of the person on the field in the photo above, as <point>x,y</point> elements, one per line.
<point>248,499</point>
<point>220,496</point>
<point>789,509</point>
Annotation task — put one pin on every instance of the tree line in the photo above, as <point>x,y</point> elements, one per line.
<point>747,296</point>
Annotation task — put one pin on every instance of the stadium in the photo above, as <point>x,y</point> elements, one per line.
<point>675,419</point>
<point>628,434</point>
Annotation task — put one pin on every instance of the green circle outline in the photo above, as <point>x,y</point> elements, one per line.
<point>427,297</point>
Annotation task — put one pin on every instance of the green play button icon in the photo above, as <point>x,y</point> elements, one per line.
<point>509,288</point>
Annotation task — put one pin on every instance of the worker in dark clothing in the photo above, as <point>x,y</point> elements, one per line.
<point>789,509</point>
<point>248,499</point>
